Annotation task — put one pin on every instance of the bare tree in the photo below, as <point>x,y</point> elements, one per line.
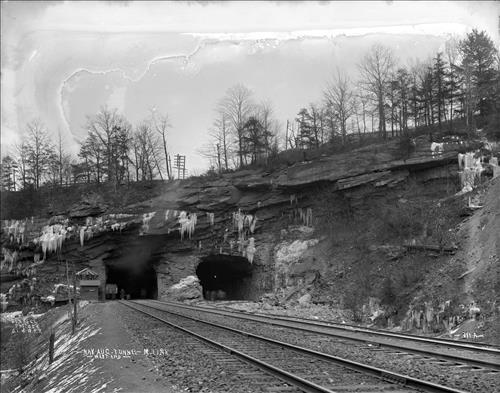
<point>22,161</point>
<point>112,130</point>
<point>237,106</point>
<point>62,162</point>
<point>270,125</point>
<point>375,70</point>
<point>363,100</point>
<point>39,151</point>
<point>339,97</point>
<point>147,149</point>
<point>221,142</point>
<point>161,124</point>
<point>452,54</point>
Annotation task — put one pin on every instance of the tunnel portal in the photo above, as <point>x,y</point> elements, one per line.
<point>225,277</point>
<point>139,281</point>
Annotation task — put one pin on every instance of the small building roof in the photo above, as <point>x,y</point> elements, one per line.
<point>87,273</point>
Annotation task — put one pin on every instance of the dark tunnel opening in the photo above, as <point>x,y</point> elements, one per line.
<point>225,277</point>
<point>139,282</point>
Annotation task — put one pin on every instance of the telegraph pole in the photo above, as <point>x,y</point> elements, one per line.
<point>180,165</point>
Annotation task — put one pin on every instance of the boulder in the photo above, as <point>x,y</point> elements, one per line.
<point>188,288</point>
<point>86,209</point>
<point>305,300</point>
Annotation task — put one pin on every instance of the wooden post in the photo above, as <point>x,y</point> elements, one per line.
<point>52,340</point>
<point>75,307</point>
<point>286,136</point>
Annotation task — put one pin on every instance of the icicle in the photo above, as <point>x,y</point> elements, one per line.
<point>167,213</point>
<point>460,161</point>
<point>495,167</point>
<point>293,198</point>
<point>211,218</point>
<point>252,225</point>
<point>146,218</point>
<point>199,245</point>
<point>250,251</point>
<point>82,236</point>
<point>309,217</point>
<point>187,224</point>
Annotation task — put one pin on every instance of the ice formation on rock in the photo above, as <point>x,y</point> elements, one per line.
<point>470,175</point>
<point>146,218</point>
<point>15,229</point>
<point>82,236</point>
<point>250,250</point>
<point>252,224</point>
<point>241,220</point>
<point>494,166</point>
<point>3,301</point>
<point>437,149</point>
<point>461,162</point>
<point>306,216</point>
<point>187,223</point>
<point>10,257</point>
<point>52,238</point>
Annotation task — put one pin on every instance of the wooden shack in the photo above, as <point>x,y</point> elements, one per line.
<point>89,284</point>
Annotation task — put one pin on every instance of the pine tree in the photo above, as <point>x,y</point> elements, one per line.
<point>439,92</point>
<point>478,61</point>
<point>8,171</point>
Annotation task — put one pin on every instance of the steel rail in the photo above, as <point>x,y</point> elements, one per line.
<point>283,322</point>
<point>495,349</point>
<point>294,380</point>
<point>382,374</point>
<point>473,345</point>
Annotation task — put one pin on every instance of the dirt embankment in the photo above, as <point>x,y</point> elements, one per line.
<point>481,251</point>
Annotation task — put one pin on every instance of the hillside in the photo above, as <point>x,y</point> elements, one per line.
<point>379,233</point>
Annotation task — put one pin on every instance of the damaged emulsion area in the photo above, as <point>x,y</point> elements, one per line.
<point>225,277</point>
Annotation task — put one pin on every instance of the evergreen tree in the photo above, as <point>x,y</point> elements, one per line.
<point>479,54</point>
<point>255,139</point>
<point>8,171</point>
<point>305,135</point>
<point>439,92</point>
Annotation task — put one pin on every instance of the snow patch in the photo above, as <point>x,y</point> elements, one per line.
<point>290,253</point>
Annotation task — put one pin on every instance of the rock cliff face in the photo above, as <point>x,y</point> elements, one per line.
<point>268,218</point>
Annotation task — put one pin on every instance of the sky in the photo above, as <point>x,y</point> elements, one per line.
<point>62,61</point>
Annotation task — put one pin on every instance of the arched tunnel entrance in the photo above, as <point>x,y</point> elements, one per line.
<point>137,281</point>
<point>225,277</point>
<point>130,266</point>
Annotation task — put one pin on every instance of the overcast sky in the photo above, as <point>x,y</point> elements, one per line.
<point>61,61</point>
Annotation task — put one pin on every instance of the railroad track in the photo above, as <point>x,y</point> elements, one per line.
<point>464,353</point>
<point>345,326</point>
<point>301,368</point>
